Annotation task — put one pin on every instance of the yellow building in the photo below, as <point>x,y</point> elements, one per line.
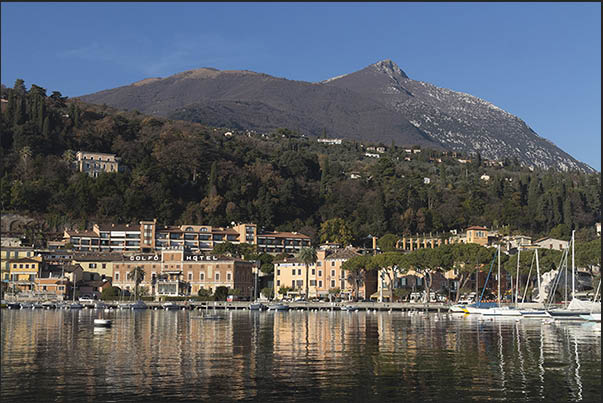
<point>15,252</point>
<point>23,273</point>
<point>100,263</point>
<point>478,235</point>
<point>325,275</point>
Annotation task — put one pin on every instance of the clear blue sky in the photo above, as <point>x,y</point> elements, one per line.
<point>538,61</point>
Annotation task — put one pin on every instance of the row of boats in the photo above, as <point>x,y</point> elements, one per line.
<point>576,310</point>
<point>492,309</point>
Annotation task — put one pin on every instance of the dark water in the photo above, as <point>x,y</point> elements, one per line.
<point>170,356</point>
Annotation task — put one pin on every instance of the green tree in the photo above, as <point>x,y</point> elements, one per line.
<point>110,292</point>
<point>268,292</point>
<point>467,259</point>
<point>137,274</point>
<point>221,293</point>
<point>387,242</point>
<point>356,269</point>
<point>335,230</point>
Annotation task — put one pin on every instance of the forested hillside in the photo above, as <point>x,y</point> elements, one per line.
<point>182,172</point>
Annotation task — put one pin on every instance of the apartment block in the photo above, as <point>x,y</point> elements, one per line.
<point>149,237</point>
<point>325,275</point>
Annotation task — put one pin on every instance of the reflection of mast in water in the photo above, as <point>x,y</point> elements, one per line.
<point>577,371</point>
<point>541,362</point>
<point>501,361</point>
<point>520,355</point>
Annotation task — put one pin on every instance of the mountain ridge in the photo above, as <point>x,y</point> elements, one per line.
<point>378,103</point>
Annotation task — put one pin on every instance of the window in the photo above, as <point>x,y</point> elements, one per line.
<point>332,283</point>
<point>332,273</point>
<point>104,265</point>
<point>299,272</point>
<point>313,272</point>
<point>190,276</point>
<point>313,283</point>
<point>229,276</point>
<point>116,276</point>
<point>332,263</point>
<point>217,276</point>
<point>278,272</point>
<point>201,276</point>
<point>319,283</point>
<point>278,283</point>
<point>319,273</point>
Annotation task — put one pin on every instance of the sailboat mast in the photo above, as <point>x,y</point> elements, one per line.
<point>538,275</point>
<point>498,276</point>
<point>517,282</point>
<point>573,266</point>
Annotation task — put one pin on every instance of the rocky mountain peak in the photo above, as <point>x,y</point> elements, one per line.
<point>390,68</point>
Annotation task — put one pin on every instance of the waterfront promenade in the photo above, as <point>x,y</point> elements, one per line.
<point>299,305</point>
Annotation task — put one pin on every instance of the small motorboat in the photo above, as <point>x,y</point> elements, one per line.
<point>349,308</point>
<point>138,305</point>
<point>100,305</point>
<point>171,306</point>
<point>102,322</point>
<point>258,306</point>
<point>278,307</point>
<point>26,305</point>
<point>13,305</point>
<point>76,305</point>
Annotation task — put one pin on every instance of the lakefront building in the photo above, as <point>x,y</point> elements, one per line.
<point>181,273</point>
<point>148,237</point>
<point>325,277</point>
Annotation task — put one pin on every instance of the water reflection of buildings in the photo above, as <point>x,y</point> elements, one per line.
<point>151,350</point>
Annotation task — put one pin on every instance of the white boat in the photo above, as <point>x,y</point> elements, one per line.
<point>534,313</point>
<point>501,311</point>
<point>480,307</point>
<point>102,322</point>
<point>458,308</point>
<point>26,305</point>
<point>278,307</point>
<point>75,305</point>
<point>171,306</point>
<point>138,305</point>
<point>594,316</point>
<point>577,309</point>
<point>100,305</point>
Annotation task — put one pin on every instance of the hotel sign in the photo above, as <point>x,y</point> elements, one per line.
<point>145,258</point>
<point>197,258</point>
<point>157,258</point>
